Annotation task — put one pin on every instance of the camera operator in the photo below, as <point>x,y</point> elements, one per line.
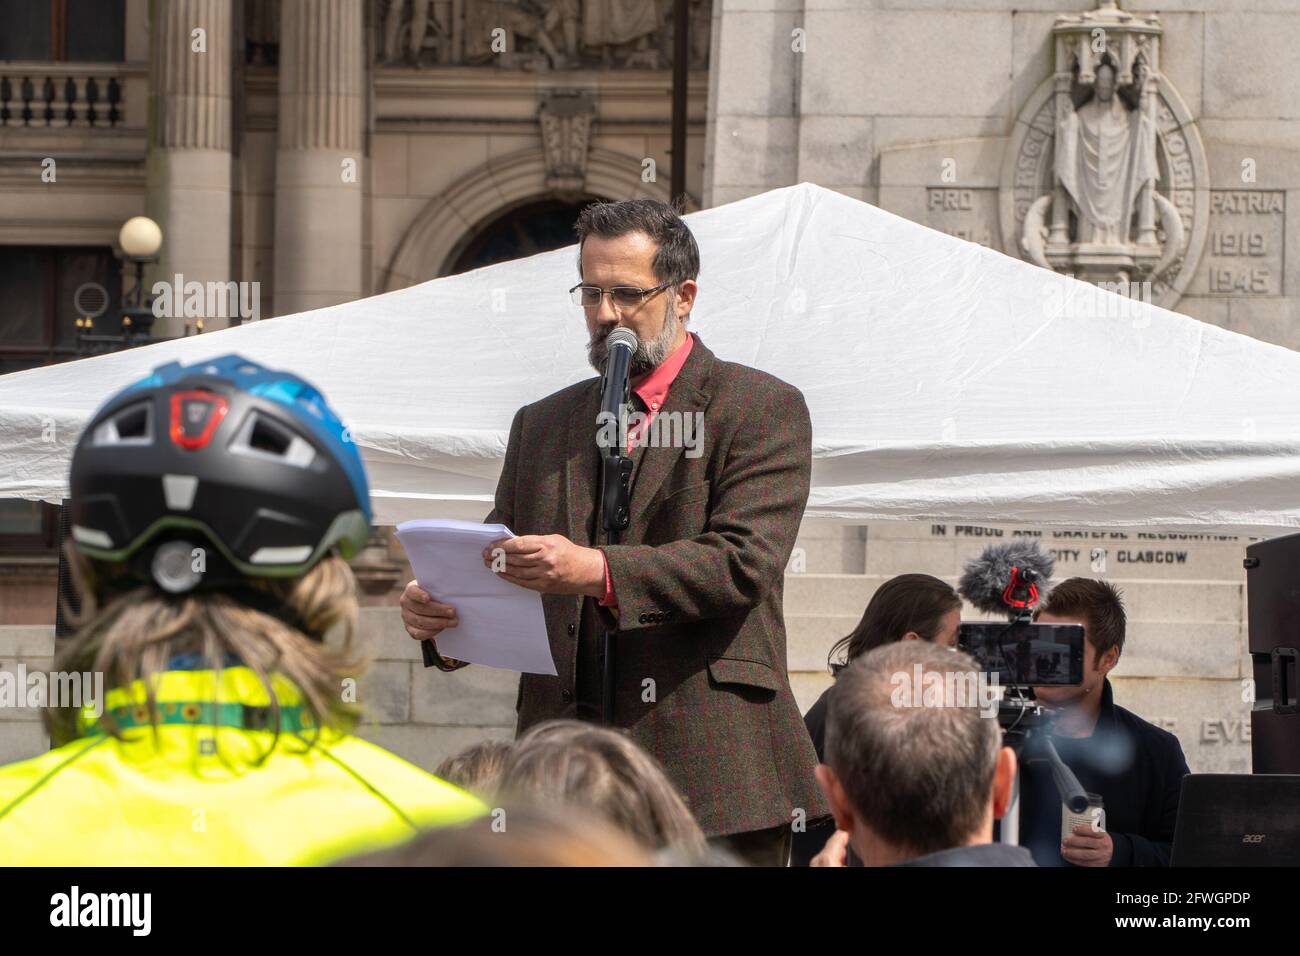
<point>911,781</point>
<point>1134,766</point>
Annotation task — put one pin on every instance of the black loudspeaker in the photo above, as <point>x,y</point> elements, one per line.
<point>67,594</point>
<point>1273,596</point>
<point>1237,819</point>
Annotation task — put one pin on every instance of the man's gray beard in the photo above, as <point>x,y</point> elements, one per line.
<point>649,355</point>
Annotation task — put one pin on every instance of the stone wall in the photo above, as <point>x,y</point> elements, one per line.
<point>451,152</point>
<point>914,105</point>
<point>22,734</point>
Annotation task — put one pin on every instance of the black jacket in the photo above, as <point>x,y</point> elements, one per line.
<point>1137,769</point>
<point>804,846</point>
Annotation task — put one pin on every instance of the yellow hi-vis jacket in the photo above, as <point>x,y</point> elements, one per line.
<point>196,793</point>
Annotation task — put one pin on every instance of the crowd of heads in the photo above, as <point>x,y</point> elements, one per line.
<point>566,793</point>
<point>907,781</point>
<point>902,781</point>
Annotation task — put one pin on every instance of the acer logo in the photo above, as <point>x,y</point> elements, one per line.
<point>1252,838</point>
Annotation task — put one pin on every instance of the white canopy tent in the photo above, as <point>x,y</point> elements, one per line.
<point>946,382</point>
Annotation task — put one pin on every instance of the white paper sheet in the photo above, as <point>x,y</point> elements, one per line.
<point>501,624</point>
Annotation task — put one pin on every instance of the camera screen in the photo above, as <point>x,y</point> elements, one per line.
<point>1026,654</point>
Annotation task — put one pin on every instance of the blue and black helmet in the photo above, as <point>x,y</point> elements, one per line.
<point>225,455</point>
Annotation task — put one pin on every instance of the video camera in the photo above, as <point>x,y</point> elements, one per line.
<point>1020,655</point>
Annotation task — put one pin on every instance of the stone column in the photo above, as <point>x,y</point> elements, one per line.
<point>318,175</point>
<point>188,167</point>
<point>754,121</point>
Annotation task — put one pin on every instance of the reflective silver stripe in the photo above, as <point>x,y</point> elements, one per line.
<point>179,491</point>
<point>281,555</point>
<point>91,536</point>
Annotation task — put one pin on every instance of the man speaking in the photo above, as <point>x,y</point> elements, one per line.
<point>693,590</point>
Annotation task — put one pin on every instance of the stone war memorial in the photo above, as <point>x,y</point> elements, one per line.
<point>382,196</point>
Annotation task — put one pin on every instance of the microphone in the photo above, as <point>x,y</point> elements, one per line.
<point>620,346</point>
<point>1005,578</point>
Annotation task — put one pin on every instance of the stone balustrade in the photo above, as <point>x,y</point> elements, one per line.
<point>54,95</point>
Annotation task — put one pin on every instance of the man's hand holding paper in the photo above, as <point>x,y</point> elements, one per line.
<point>424,617</point>
<point>493,621</point>
<point>548,564</point>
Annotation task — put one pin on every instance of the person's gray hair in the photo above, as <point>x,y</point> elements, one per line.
<point>919,775</point>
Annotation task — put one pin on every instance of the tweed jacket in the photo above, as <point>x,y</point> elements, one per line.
<point>698,577</point>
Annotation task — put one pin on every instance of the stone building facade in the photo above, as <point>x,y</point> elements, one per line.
<point>287,146</point>
<point>311,152</point>
<point>340,148</point>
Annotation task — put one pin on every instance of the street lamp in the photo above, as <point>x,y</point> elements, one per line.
<point>140,238</point>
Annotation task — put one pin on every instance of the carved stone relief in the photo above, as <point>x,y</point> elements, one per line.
<point>537,34</point>
<point>1105,174</point>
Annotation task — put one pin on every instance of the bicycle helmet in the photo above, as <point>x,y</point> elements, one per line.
<point>199,476</point>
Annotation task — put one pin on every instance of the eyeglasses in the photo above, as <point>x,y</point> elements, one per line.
<point>623,296</point>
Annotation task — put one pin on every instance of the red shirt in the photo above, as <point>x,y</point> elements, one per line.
<point>653,390</point>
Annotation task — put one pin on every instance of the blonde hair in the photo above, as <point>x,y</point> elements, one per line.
<point>138,631</point>
<point>598,768</point>
<point>516,835</point>
<point>476,768</point>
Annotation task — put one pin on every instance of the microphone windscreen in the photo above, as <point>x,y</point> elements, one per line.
<point>987,576</point>
<point>622,336</point>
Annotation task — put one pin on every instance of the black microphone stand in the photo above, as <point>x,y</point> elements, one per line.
<point>615,513</point>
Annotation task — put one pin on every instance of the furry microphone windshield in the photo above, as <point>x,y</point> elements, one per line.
<point>986,577</point>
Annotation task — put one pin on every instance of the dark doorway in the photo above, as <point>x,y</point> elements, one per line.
<point>535,227</point>
<point>45,289</point>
